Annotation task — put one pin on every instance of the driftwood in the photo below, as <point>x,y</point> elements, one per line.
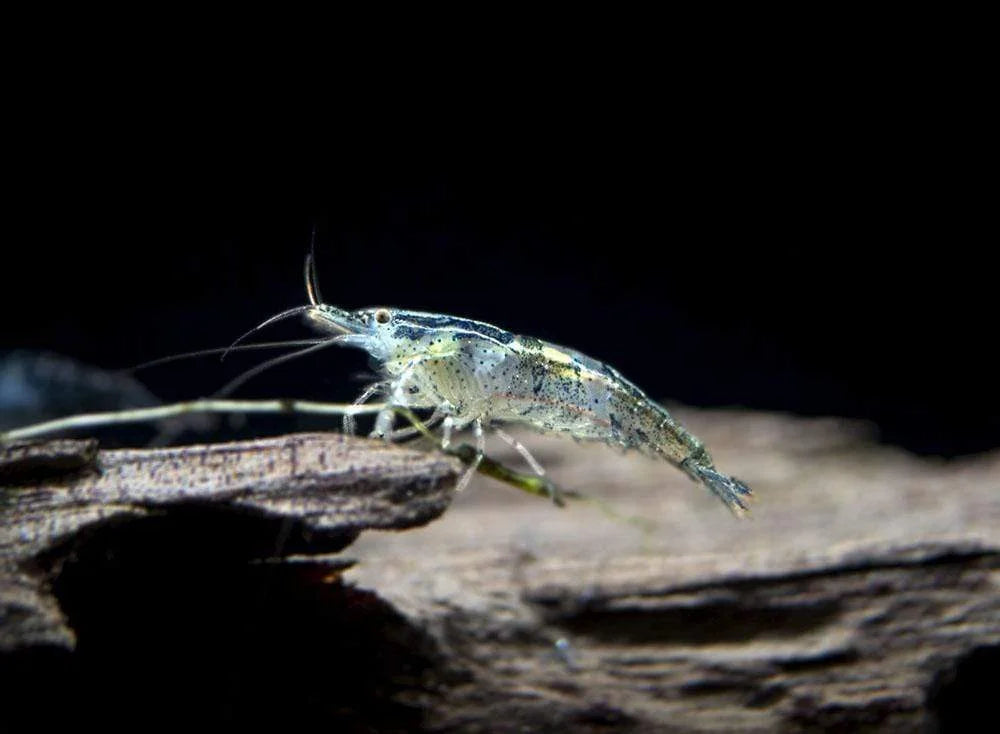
<point>303,492</point>
<point>863,592</point>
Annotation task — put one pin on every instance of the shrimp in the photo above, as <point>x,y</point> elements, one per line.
<point>468,373</point>
<point>473,373</point>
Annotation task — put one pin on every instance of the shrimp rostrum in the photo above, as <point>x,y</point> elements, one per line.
<point>471,373</point>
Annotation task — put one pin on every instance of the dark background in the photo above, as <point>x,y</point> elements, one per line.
<point>781,213</point>
<point>810,242</point>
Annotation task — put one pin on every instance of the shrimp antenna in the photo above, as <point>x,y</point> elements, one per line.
<point>268,322</point>
<point>254,371</point>
<point>220,350</point>
<point>312,279</point>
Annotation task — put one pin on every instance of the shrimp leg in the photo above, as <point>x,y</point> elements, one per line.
<point>350,424</point>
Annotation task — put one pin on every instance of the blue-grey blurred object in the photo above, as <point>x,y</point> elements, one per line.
<point>39,386</point>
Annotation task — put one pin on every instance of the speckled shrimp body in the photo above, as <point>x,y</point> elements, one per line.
<point>469,372</point>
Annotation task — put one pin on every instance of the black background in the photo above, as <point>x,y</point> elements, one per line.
<point>785,214</point>
<point>781,238</point>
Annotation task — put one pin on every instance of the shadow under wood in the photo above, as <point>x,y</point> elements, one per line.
<point>176,618</point>
<point>702,624</point>
<point>962,696</point>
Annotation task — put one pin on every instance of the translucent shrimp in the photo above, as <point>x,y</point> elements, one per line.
<point>475,374</point>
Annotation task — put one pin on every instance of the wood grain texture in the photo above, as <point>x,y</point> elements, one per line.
<point>849,599</point>
<point>310,490</point>
<point>862,593</point>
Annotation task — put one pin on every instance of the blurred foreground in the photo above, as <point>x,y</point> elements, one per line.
<point>863,579</point>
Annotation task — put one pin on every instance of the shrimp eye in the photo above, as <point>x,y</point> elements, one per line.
<point>383,316</point>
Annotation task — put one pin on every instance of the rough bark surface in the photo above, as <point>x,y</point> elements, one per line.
<point>863,592</point>
<point>301,492</point>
